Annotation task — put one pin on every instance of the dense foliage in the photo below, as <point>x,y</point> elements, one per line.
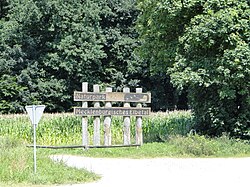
<point>205,47</point>
<point>47,48</point>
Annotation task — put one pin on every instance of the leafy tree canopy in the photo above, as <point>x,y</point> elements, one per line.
<point>205,46</point>
<point>48,47</point>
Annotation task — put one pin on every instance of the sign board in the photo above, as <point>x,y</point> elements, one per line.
<point>35,113</point>
<point>114,111</point>
<point>113,96</point>
<point>102,102</point>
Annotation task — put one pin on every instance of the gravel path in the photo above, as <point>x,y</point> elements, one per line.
<point>172,172</point>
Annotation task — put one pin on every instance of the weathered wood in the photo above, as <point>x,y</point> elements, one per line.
<point>138,133</point>
<point>97,121</point>
<point>107,123</point>
<point>84,118</point>
<point>114,111</point>
<point>113,97</point>
<point>126,111</point>
<point>126,126</point>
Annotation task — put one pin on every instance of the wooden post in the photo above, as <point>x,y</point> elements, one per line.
<point>126,126</point>
<point>85,119</point>
<point>108,111</point>
<point>107,123</point>
<point>97,121</point>
<point>138,133</point>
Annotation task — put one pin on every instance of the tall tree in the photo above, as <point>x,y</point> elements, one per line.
<point>204,46</point>
<point>121,66</point>
<point>48,47</point>
<point>158,30</point>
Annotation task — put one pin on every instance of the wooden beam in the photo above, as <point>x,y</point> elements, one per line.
<point>113,97</point>
<point>81,146</point>
<point>114,111</point>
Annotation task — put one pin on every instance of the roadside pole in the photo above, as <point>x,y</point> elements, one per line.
<point>35,113</point>
<point>34,133</point>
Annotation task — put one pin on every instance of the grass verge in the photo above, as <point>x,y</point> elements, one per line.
<point>16,160</point>
<point>191,146</point>
<point>17,167</point>
<point>168,129</point>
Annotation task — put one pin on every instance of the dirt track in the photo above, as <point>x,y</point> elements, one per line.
<point>173,172</point>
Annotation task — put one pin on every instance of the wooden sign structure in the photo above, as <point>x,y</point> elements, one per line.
<point>108,111</point>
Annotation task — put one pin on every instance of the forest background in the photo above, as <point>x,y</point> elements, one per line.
<point>49,47</point>
<point>190,54</point>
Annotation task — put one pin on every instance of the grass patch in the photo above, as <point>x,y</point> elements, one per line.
<point>165,135</point>
<point>176,146</point>
<point>16,160</point>
<point>17,167</point>
<point>202,146</point>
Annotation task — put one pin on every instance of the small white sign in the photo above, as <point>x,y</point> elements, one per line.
<point>35,113</point>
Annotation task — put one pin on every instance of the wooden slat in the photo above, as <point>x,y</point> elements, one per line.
<point>80,146</point>
<point>113,97</point>
<point>114,111</point>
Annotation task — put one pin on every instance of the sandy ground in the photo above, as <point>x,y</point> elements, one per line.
<point>169,172</point>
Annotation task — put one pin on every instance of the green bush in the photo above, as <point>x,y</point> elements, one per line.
<point>159,126</point>
<point>194,145</point>
<point>204,47</point>
<point>213,62</point>
<point>202,146</point>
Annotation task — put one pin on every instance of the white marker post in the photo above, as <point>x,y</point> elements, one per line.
<point>35,113</point>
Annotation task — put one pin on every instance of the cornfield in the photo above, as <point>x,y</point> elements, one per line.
<point>65,128</point>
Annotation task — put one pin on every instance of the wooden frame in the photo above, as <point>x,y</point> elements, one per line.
<point>108,111</point>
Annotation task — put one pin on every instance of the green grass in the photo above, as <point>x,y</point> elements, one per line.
<point>16,160</point>
<point>193,146</point>
<point>165,135</point>
<point>17,167</point>
<point>65,129</point>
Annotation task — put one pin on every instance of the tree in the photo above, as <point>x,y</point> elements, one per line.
<point>121,67</point>
<point>204,46</point>
<point>49,47</point>
<point>3,9</point>
<point>22,53</point>
<point>158,27</point>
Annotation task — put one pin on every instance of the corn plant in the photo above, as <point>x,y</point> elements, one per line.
<point>65,128</point>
